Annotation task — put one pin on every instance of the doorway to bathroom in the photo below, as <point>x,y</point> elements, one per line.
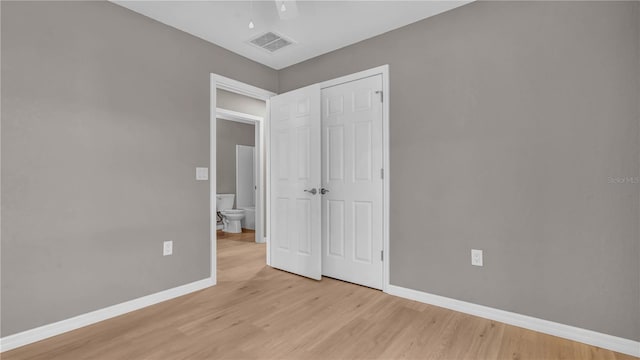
<point>238,189</point>
<point>238,167</point>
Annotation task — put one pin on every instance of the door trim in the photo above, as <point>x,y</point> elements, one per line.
<point>237,116</point>
<point>238,87</point>
<point>384,71</point>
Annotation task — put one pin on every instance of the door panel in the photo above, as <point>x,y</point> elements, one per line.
<point>335,228</point>
<point>362,236</point>
<point>334,153</point>
<point>351,167</point>
<point>295,167</point>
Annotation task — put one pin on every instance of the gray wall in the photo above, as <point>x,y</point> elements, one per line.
<point>507,121</point>
<point>228,135</point>
<point>105,115</point>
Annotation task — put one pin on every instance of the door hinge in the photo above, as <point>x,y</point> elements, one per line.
<point>381,95</point>
<point>381,173</point>
<point>381,255</point>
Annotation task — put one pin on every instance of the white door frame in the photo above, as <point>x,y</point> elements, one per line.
<point>384,71</point>
<point>227,84</point>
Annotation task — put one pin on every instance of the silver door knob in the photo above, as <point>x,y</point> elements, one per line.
<point>324,191</point>
<point>312,191</point>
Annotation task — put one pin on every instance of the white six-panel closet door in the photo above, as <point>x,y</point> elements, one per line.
<point>352,157</point>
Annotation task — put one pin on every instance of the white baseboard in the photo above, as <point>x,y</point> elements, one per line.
<point>57,328</point>
<point>621,345</point>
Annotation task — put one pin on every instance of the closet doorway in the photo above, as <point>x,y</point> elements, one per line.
<point>329,184</point>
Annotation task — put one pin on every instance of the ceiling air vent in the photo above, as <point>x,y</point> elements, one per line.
<point>271,42</point>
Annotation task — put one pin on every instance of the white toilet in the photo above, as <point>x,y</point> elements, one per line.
<point>231,218</point>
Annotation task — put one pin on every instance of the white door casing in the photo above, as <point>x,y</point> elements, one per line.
<point>352,163</point>
<point>295,165</point>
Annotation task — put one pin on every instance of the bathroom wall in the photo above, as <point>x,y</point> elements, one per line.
<point>229,134</point>
<point>245,176</point>
<point>240,103</point>
<point>510,123</point>
<point>105,115</point>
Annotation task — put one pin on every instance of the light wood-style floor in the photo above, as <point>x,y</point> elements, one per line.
<point>259,312</point>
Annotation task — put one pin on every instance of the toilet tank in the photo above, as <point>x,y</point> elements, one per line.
<point>224,201</point>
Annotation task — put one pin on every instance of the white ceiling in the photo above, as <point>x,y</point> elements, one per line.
<point>316,27</point>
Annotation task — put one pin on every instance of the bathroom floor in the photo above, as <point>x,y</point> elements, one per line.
<point>246,235</point>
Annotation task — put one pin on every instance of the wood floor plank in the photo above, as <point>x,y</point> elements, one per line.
<point>256,312</point>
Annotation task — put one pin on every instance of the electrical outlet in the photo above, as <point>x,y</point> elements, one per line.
<point>167,248</point>
<point>476,257</point>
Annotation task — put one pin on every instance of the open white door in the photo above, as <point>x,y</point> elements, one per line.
<point>295,163</point>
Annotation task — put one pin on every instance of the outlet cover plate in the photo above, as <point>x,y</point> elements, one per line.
<point>476,257</point>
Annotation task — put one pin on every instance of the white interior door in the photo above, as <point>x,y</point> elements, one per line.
<point>352,150</point>
<point>295,217</point>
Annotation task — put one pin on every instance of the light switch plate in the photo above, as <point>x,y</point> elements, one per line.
<point>476,257</point>
<point>202,173</point>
